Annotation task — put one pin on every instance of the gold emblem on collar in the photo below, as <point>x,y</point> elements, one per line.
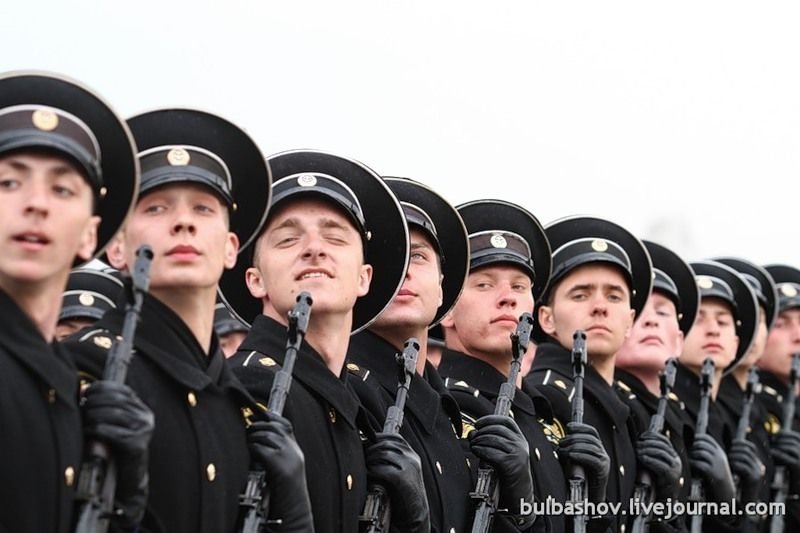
<point>554,431</point>
<point>178,157</point>
<point>704,282</point>
<point>599,245</point>
<point>103,341</point>
<point>267,361</point>
<point>45,119</point>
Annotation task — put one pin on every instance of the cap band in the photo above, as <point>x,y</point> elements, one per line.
<point>498,246</point>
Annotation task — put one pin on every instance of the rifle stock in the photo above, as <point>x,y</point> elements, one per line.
<point>98,477</point>
<point>254,501</point>
<point>644,484</point>
<point>701,428</point>
<point>487,488</point>
<point>780,479</point>
<point>577,475</point>
<point>376,516</point>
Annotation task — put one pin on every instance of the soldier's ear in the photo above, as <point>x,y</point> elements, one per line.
<point>231,249</point>
<point>364,279</point>
<point>255,283</point>
<point>547,320</point>
<point>116,252</point>
<point>447,321</point>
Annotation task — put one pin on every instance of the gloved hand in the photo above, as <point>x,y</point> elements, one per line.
<point>114,414</point>
<point>744,462</point>
<point>786,452</point>
<point>582,446</point>
<point>392,464</point>
<point>656,454</point>
<point>498,441</point>
<point>273,446</point>
<point>707,458</point>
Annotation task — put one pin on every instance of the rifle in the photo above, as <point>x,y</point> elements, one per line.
<point>98,477</point>
<point>577,476</point>
<point>487,488</point>
<point>701,428</point>
<point>644,483</point>
<point>742,426</point>
<point>255,499</point>
<point>377,511</point>
<point>780,480</point>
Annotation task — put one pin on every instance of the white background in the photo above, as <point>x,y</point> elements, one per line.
<point>679,120</point>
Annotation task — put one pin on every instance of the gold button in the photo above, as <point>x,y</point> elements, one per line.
<point>349,482</point>
<point>439,466</point>
<point>211,471</point>
<point>191,398</point>
<point>621,470</point>
<point>680,481</point>
<point>332,416</point>
<point>69,476</point>
<point>51,396</point>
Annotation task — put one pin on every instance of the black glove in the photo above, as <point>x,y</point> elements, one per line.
<point>786,452</point>
<point>707,458</point>
<point>498,441</point>
<point>657,455</point>
<point>582,446</point>
<point>273,446</point>
<point>392,464</point>
<point>744,462</point>
<point>114,414</point>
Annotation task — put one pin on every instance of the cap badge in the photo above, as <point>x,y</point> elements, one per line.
<point>178,157</point>
<point>704,282</point>
<point>307,180</point>
<point>788,290</point>
<point>498,241</point>
<point>86,299</point>
<point>45,119</point>
<point>599,245</point>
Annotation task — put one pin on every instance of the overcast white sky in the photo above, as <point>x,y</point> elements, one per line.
<point>679,120</point>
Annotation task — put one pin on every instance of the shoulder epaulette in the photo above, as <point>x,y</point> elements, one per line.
<point>555,381</point>
<point>359,371</point>
<point>101,338</point>
<point>621,385</point>
<point>256,359</point>
<point>772,392</point>
<point>461,386</point>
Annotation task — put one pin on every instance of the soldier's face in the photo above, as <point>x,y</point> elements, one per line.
<point>308,245</point>
<point>655,337</point>
<point>488,311</point>
<point>46,218</point>
<point>783,341</point>
<point>187,227</point>
<point>594,298</point>
<point>713,335</point>
<point>420,296</point>
<point>67,327</point>
<point>230,342</point>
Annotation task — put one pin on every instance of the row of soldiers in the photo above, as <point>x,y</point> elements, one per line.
<point>339,410</point>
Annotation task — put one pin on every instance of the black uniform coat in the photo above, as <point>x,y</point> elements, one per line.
<point>551,375</point>
<point>643,405</point>
<point>731,400</point>
<point>773,392</point>
<point>475,386</point>
<point>198,454</point>
<point>327,418</point>
<point>431,425</point>
<point>40,428</point>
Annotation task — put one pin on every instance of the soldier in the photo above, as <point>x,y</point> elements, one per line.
<point>204,189</point>
<point>436,272</point>
<point>68,177</point>
<point>509,268</point>
<point>657,336</point>
<point>723,331</point>
<point>230,330</point>
<point>601,280</point>
<point>90,293</point>
<point>336,231</point>
<point>734,383</point>
<point>782,343</point>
